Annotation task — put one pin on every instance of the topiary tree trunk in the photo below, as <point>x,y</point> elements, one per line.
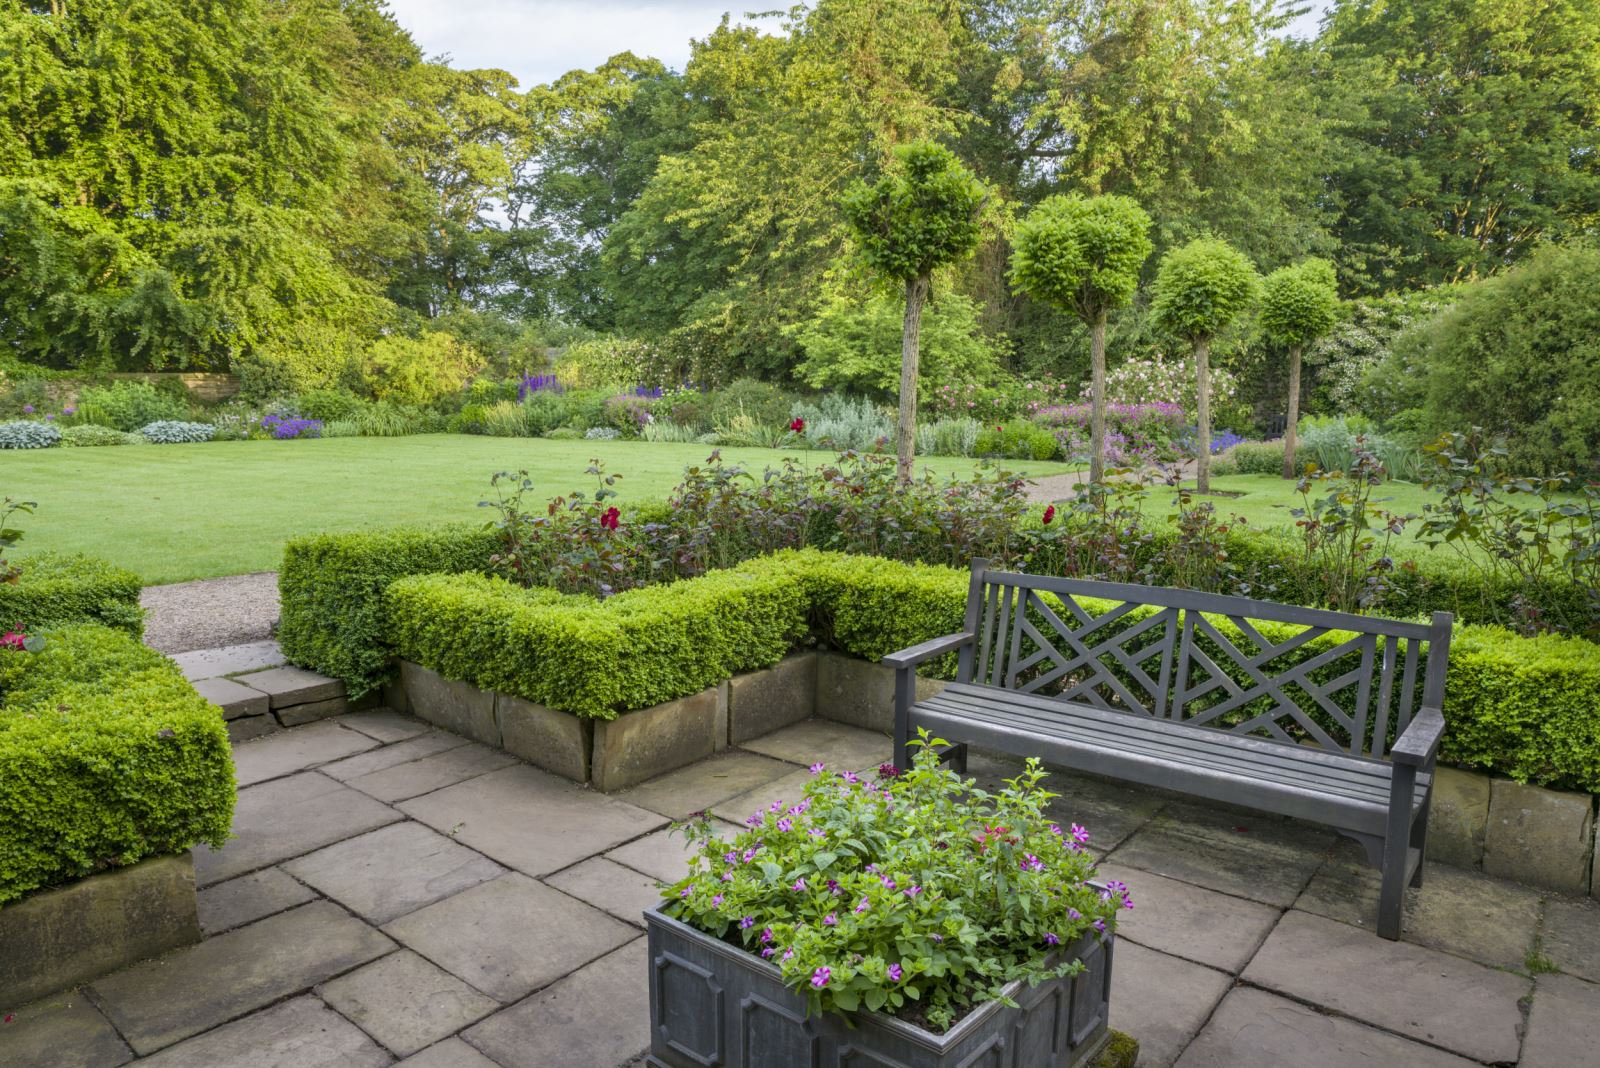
<point>1097,402</point>
<point>1290,429</point>
<point>905,429</point>
<point>1202,383</point>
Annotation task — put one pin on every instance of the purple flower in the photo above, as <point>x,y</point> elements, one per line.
<point>766,936</point>
<point>1031,863</point>
<point>895,973</point>
<point>799,886</point>
<point>1074,914</point>
<point>816,832</point>
<point>913,891</point>
<point>888,771</point>
<point>1051,940</point>
<point>785,825</point>
<point>820,977</point>
<point>800,809</point>
<point>685,891</point>
<point>775,807</point>
<point>27,409</point>
<point>716,902</point>
<point>68,410</point>
<point>727,876</point>
<point>818,767</point>
<point>831,920</point>
<point>754,820</point>
<point>833,887</point>
<point>788,953</point>
<point>888,883</point>
<point>750,854</point>
<point>1100,925</point>
<point>1079,835</point>
<point>851,777</point>
<point>730,856</point>
<point>862,907</point>
<point>747,923</point>
<point>937,937</point>
<point>768,952</point>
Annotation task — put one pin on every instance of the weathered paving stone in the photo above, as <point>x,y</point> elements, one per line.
<point>455,706</point>
<point>1110,812</point>
<point>1260,858</point>
<point>622,892</point>
<point>289,685</point>
<point>701,785</point>
<point>840,746</point>
<point>1538,836</point>
<point>1571,936</point>
<point>301,1033</point>
<point>760,702</point>
<point>311,711</point>
<point>285,818</point>
<point>1564,1025</point>
<point>191,990</point>
<point>1161,1000</point>
<point>248,899</point>
<point>664,854</point>
<point>406,1003</point>
<point>1421,993</point>
<point>552,1025</point>
<point>392,871</point>
<point>229,660</point>
<point>530,820</point>
<point>1255,1029</point>
<point>234,700</point>
<point>423,745</point>
<point>788,789</point>
<point>510,936</point>
<point>1462,912</point>
<point>1458,817</point>
<point>384,725</point>
<point>249,728</point>
<point>64,1031</point>
<point>451,1053</point>
<point>1190,922</point>
<point>432,773</point>
<point>290,751</point>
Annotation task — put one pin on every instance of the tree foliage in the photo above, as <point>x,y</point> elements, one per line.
<point>854,345</point>
<point>917,218</point>
<point>1299,303</point>
<point>1202,288</point>
<point>1082,253</point>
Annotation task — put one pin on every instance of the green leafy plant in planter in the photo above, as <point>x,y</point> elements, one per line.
<point>918,894</point>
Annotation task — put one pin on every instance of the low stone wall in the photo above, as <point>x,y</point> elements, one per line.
<point>55,939</point>
<point>1545,838</point>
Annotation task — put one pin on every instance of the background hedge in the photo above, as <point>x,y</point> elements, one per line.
<point>107,756</point>
<point>56,589</point>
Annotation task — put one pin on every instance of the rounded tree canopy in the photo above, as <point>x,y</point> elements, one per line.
<point>921,215</point>
<point>1203,287</point>
<point>1300,303</point>
<point>1082,253</point>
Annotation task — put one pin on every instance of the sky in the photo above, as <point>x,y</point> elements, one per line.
<point>539,40</point>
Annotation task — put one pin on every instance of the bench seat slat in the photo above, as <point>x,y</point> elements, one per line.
<point>1313,785</point>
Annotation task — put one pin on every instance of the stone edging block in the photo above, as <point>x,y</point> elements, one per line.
<point>641,745</point>
<point>1538,836</point>
<point>760,702</point>
<point>555,741</point>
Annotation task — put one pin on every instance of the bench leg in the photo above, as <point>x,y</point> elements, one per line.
<point>956,757</point>
<point>1419,838</point>
<point>1396,840</point>
<point>904,683</point>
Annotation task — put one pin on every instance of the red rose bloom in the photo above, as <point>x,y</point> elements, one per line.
<point>1049,513</point>
<point>609,520</point>
<point>798,426</point>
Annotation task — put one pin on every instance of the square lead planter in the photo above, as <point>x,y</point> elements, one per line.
<point>714,1005</point>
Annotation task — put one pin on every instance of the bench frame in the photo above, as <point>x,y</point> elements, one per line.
<point>1181,628</point>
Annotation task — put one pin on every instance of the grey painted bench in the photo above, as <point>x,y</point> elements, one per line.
<point>1322,716</point>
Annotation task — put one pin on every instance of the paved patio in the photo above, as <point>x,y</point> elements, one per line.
<point>397,894</point>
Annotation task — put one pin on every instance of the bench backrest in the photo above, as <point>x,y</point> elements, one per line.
<point>1286,673</point>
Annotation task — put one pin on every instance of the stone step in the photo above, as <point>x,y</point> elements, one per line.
<point>258,693</point>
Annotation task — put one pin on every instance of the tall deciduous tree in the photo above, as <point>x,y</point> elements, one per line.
<point>920,216</point>
<point>1201,289</point>
<point>1083,254</point>
<point>1299,304</point>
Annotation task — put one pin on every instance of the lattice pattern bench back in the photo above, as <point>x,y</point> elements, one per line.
<point>1290,674</point>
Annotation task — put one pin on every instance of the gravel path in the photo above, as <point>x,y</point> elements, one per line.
<point>211,612</point>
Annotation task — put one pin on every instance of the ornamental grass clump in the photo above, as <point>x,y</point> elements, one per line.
<point>919,894</point>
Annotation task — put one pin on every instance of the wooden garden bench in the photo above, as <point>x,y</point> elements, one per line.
<point>1323,716</point>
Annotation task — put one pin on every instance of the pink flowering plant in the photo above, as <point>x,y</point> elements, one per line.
<point>917,893</point>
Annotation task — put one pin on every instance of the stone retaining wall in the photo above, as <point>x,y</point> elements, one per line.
<point>1542,837</point>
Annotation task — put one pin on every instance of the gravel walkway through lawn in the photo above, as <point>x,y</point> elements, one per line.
<point>211,612</point>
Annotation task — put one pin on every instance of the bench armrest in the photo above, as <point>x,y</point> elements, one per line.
<point>926,651</point>
<point>1418,744</point>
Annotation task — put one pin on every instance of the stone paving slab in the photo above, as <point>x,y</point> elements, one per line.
<point>788,789</point>
<point>1421,993</point>
<point>1571,936</point>
<point>63,1031</point>
<point>247,899</point>
<point>287,752</point>
<point>1262,859</point>
<point>622,892</point>
<point>1462,912</point>
<point>285,818</point>
<point>699,786</point>
<point>229,660</point>
<point>386,873</point>
<point>1189,922</point>
<point>406,1003</point>
<point>510,936</point>
<point>1110,812</point>
<point>418,777</point>
<point>838,745</point>
<point>289,685</point>
<point>234,700</point>
<point>1255,1029</point>
<point>664,854</point>
<point>389,756</point>
<point>557,1026</point>
<point>1161,1000</point>
<point>1564,1024</point>
<point>302,1033</point>
<point>451,1053</point>
<point>384,725</point>
<point>531,820</point>
<point>193,989</point>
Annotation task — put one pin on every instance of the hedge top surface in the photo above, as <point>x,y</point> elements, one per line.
<point>61,588</point>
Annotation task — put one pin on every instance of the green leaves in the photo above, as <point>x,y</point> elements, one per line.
<point>920,216</point>
<point>1081,253</point>
<point>1202,288</point>
<point>1299,304</point>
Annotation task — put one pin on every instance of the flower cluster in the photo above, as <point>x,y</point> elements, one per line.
<point>912,891</point>
<point>1137,435</point>
<point>531,384</point>
<point>287,428</point>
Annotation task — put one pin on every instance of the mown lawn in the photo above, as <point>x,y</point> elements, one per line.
<point>178,512</point>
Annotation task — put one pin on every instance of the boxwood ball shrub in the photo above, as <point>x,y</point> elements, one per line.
<point>171,432</point>
<point>107,757</point>
<point>916,894</point>
<point>25,434</point>
<point>57,588</point>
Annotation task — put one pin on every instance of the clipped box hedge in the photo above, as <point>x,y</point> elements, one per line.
<point>56,589</point>
<point>107,756</point>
